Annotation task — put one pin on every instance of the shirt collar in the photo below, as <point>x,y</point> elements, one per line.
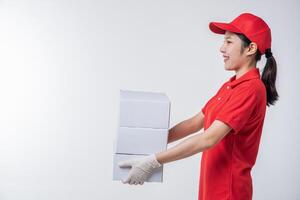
<point>251,74</point>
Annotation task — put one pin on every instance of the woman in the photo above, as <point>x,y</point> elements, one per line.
<point>232,119</point>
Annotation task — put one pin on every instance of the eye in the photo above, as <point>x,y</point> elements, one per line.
<point>227,41</point>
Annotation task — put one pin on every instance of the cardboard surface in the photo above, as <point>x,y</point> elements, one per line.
<point>144,110</point>
<point>141,140</point>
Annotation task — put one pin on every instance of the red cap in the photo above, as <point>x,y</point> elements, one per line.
<point>253,27</point>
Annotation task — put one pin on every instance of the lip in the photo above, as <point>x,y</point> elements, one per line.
<point>225,58</point>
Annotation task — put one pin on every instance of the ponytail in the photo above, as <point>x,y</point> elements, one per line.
<point>269,73</point>
<point>269,78</point>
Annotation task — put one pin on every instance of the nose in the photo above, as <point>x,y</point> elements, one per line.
<point>222,48</point>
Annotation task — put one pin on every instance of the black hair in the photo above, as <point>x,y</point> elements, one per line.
<point>269,73</point>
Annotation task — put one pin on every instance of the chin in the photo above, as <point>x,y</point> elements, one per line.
<point>229,68</point>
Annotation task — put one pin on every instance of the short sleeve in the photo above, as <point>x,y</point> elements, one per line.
<point>205,106</point>
<point>203,110</point>
<point>237,111</point>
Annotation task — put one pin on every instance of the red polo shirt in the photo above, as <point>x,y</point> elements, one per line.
<point>226,168</point>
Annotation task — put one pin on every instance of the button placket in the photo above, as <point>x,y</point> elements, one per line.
<point>228,88</point>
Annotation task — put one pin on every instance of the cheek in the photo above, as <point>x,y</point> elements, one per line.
<point>232,63</point>
<point>235,55</point>
<point>234,50</point>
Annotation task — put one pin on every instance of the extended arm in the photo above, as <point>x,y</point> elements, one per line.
<point>186,127</point>
<point>195,144</point>
<point>143,168</point>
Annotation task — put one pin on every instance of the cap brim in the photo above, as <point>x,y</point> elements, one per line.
<point>221,28</point>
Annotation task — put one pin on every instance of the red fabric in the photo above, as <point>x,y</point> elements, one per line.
<point>254,27</point>
<point>226,168</point>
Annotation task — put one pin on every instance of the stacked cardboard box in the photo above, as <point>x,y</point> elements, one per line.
<point>143,129</point>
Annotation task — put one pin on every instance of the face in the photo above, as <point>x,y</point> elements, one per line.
<point>231,50</point>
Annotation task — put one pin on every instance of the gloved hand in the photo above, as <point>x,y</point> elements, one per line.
<point>141,169</point>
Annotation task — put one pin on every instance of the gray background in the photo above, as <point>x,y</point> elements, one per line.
<point>63,62</point>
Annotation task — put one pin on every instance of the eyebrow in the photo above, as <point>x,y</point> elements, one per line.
<point>227,37</point>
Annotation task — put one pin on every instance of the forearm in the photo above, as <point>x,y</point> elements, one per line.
<point>141,169</point>
<point>196,143</point>
<point>181,130</point>
<point>188,147</point>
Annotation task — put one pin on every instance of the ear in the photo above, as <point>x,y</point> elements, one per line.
<point>251,49</point>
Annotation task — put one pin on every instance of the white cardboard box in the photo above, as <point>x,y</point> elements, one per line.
<point>144,109</point>
<point>143,141</point>
<point>143,129</point>
<point>122,173</point>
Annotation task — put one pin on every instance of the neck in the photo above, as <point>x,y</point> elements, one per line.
<point>244,69</point>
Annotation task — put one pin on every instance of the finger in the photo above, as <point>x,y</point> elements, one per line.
<point>131,182</point>
<point>125,163</point>
<point>127,180</point>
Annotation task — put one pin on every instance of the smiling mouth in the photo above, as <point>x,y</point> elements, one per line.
<point>225,58</point>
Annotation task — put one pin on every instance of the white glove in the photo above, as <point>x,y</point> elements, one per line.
<point>141,169</point>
